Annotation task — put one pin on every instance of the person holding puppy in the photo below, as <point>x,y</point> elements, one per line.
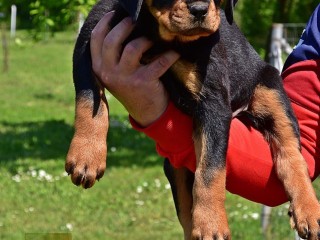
<point>250,167</point>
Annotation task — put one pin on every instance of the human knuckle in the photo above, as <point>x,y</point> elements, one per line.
<point>163,62</point>
<point>109,41</point>
<point>135,83</point>
<point>132,48</point>
<point>104,77</point>
<point>126,22</point>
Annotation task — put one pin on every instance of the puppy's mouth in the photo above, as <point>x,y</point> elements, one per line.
<point>187,22</point>
<point>187,30</point>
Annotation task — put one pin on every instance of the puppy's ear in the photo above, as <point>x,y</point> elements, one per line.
<point>133,7</point>
<point>229,10</point>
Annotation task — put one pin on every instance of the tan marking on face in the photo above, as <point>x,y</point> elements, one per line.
<point>176,23</point>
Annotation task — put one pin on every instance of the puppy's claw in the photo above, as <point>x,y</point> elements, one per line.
<point>77,180</point>
<point>99,174</point>
<point>69,167</point>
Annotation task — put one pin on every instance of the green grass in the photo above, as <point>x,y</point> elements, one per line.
<point>132,200</point>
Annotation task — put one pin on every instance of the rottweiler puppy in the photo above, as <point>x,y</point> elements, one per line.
<point>219,74</point>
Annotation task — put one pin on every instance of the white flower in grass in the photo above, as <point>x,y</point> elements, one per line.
<point>157,182</point>
<point>16,178</point>
<point>69,226</point>
<point>43,175</point>
<point>113,149</point>
<point>145,184</point>
<point>167,186</point>
<point>32,173</point>
<point>255,216</point>
<point>140,203</point>
<point>29,210</point>
<point>139,189</point>
<point>235,213</point>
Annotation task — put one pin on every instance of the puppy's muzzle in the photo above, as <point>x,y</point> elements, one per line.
<point>198,9</point>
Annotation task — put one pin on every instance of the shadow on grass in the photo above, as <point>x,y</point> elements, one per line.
<point>49,140</point>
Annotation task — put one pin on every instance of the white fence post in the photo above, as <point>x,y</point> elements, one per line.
<point>265,218</point>
<point>276,46</point>
<point>81,21</point>
<point>13,24</point>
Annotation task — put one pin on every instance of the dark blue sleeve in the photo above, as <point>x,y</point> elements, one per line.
<point>308,47</point>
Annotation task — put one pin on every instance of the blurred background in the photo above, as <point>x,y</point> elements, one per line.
<point>133,200</point>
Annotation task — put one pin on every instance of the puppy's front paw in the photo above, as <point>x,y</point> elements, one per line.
<point>86,161</point>
<point>208,224</point>
<point>305,218</point>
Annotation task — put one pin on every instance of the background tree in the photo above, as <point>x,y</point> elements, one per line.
<point>256,17</point>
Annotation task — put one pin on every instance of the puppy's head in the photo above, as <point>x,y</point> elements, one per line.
<point>182,20</point>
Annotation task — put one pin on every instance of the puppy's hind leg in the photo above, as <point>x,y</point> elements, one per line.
<point>271,109</point>
<point>86,159</point>
<point>181,182</point>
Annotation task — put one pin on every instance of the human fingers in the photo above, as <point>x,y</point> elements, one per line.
<point>133,51</point>
<point>98,34</point>
<point>112,44</point>
<point>159,66</point>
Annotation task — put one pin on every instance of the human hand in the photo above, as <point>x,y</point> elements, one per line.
<point>135,85</point>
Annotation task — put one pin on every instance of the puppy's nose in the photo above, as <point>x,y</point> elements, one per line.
<point>198,9</point>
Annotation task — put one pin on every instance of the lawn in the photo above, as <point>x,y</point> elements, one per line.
<point>133,199</point>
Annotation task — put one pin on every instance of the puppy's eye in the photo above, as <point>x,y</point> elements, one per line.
<point>160,4</point>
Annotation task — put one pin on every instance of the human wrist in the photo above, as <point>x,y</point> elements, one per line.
<point>150,113</point>
<point>172,130</point>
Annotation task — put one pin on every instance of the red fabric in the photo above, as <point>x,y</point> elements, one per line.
<point>250,171</point>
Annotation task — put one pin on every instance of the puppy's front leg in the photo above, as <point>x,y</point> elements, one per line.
<point>209,217</point>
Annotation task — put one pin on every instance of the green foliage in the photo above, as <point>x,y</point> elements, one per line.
<point>256,17</point>
<point>45,17</point>
<point>51,16</point>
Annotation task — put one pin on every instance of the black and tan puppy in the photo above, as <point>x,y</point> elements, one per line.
<point>218,74</point>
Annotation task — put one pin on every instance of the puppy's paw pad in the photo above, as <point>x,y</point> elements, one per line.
<point>305,219</point>
<point>86,161</point>
<point>210,226</point>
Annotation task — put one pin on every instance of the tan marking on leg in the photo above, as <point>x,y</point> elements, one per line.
<point>185,201</point>
<point>209,215</point>
<point>86,159</point>
<point>290,166</point>
<point>187,74</point>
